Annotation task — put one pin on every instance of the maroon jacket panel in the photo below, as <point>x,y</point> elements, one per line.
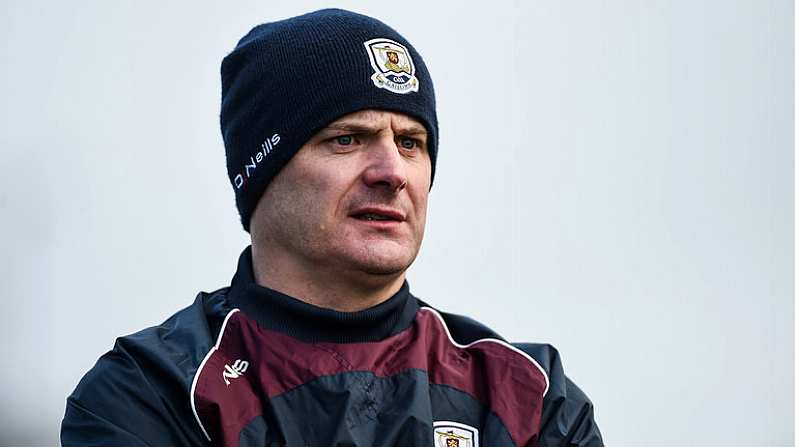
<point>251,365</point>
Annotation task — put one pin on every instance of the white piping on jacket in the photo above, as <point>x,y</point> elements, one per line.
<point>490,340</point>
<point>198,372</point>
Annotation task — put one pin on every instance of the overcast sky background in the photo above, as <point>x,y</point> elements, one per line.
<point>615,178</point>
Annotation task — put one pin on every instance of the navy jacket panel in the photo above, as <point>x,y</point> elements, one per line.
<point>136,394</point>
<point>82,427</point>
<point>568,416</point>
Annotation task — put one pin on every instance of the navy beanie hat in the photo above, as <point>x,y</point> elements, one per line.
<point>286,80</point>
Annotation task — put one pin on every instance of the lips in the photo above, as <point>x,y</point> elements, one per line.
<point>378,214</point>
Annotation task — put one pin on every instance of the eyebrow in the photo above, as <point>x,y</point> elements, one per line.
<point>361,128</point>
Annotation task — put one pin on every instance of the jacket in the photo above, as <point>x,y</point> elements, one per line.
<point>249,366</point>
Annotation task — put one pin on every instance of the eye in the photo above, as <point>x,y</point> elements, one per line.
<point>408,143</point>
<point>344,140</point>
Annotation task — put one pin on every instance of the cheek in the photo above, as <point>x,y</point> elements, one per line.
<point>293,198</point>
<point>319,191</point>
<point>419,199</point>
<point>420,189</point>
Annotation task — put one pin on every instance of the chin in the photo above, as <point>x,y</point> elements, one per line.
<point>384,262</point>
<point>383,269</point>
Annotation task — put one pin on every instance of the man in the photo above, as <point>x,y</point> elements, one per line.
<point>318,341</point>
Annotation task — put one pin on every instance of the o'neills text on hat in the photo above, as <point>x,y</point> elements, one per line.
<point>266,148</point>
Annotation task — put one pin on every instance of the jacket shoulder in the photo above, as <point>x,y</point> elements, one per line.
<point>568,414</point>
<point>139,392</point>
<point>567,417</point>
<point>463,329</point>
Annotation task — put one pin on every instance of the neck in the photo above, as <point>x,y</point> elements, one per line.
<point>324,286</point>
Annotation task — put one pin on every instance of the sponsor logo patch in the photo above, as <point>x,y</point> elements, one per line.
<point>233,372</point>
<point>454,434</point>
<point>393,68</point>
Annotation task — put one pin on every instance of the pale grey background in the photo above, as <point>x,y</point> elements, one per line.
<point>615,178</point>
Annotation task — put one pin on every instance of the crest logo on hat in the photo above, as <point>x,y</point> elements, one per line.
<point>454,434</point>
<point>394,69</point>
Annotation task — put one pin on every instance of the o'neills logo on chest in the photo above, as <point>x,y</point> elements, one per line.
<point>248,169</point>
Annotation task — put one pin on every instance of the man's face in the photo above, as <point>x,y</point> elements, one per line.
<point>353,198</point>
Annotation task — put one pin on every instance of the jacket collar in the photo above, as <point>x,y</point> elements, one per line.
<point>277,311</point>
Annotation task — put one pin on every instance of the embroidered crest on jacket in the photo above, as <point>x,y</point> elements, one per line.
<point>454,434</point>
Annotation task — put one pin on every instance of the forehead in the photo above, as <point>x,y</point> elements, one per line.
<point>379,118</point>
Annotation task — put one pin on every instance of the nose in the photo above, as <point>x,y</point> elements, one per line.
<point>386,168</point>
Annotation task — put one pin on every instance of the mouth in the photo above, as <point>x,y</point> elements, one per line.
<point>378,215</point>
